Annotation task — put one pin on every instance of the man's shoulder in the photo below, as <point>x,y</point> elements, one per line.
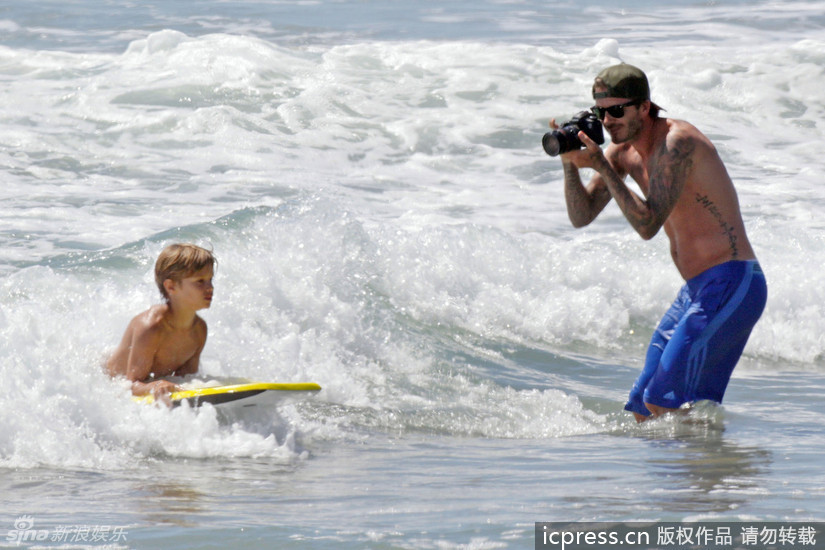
<point>622,156</point>
<point>618,150</point>
<point>679,140</point>
<point>682,131</point>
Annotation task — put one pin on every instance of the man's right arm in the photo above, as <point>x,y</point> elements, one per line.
<point>583,203</point>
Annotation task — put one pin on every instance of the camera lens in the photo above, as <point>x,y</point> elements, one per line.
<point>561,141</point>
<point>551,144</point>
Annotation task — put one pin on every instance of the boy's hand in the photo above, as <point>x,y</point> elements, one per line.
<point>161,390</point>
<point>163,387</point>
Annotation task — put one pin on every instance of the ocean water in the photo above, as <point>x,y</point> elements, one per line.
<point>370,177</point>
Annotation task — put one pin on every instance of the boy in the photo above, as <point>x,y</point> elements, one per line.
<point>167,339</point>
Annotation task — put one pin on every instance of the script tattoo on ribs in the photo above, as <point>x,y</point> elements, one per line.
<point>727,228</point>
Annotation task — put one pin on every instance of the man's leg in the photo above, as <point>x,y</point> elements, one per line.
<point>708,341</point>
<point>653,359</point>
<point>657,411</point>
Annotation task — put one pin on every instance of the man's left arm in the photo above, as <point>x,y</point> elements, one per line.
<point>667,179</point>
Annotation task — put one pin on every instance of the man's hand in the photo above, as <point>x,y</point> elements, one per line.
<point>589,157</point>
<point>592,155</point>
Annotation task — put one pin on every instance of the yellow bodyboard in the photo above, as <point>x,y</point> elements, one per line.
<point>218,395</point>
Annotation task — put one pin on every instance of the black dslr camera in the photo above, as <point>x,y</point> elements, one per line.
<point>567,139</point>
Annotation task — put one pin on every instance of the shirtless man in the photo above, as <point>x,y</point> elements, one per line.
<point>167,339</point>
<point>687,191</point>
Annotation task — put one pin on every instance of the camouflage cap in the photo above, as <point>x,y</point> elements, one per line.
<point>623,80</point>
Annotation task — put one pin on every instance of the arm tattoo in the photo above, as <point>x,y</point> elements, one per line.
<point>577,206</point>
<point>667,181</point>
<point>727,228</point>
<point>582,206</point>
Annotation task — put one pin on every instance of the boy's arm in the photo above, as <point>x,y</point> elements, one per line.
<point>191,366</point>
<point>144,345</point>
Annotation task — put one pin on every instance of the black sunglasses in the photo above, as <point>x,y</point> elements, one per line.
<point>616,111</point>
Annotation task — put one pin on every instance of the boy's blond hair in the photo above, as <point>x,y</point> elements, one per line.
<point>178,261</point>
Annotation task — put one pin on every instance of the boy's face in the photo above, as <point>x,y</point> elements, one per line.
<point>192,292</point>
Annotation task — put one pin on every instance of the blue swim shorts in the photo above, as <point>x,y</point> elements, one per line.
<point>698,342</point>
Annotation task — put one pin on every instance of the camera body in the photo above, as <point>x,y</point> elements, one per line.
<point>567,139</point>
